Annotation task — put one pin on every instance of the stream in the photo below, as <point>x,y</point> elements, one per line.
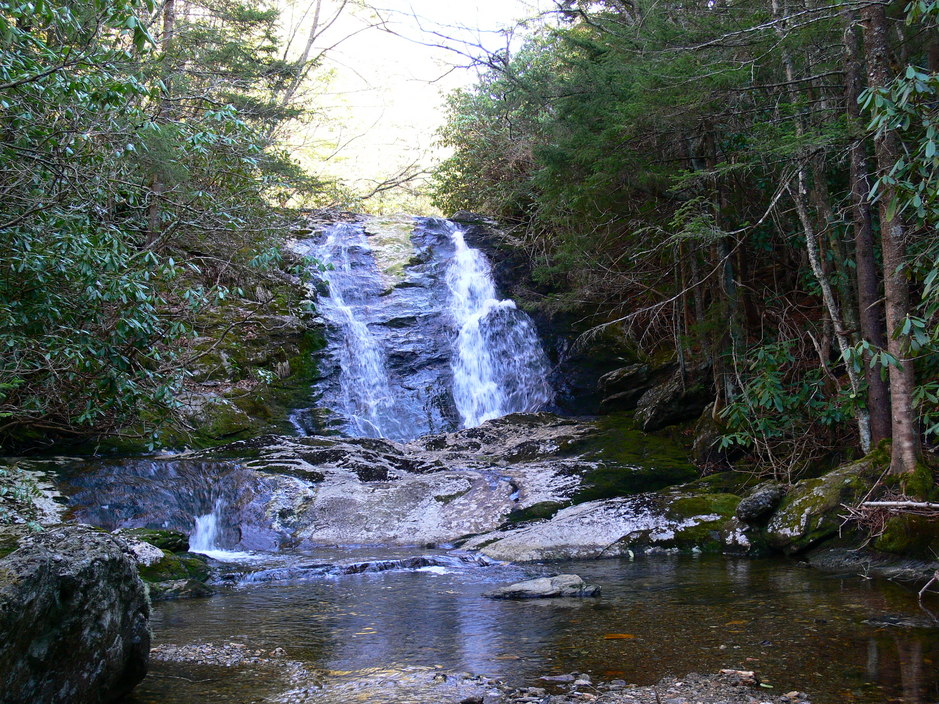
<point>420,343</point>
<point>840,639</point>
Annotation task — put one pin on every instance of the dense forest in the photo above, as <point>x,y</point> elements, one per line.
<point>752,187</point>
<point>142,184</point>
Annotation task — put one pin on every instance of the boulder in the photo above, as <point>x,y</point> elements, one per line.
<point>622,388</point>
<point>681,397</point>
<point>677,520</point>
<point>760,503</point>
<point>563,585</point>
<point>812,510</point>
<point>73,618</point>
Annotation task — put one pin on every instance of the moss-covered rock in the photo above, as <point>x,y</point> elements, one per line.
<point>706,523</point>
<point>910,536</point>
<point>163,538</point>
<point>176,567</point>
<point>811,511</point>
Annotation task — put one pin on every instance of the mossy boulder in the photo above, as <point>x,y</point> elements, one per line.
<point>176,576</point>
<point>812,510</point>
<point>910,536</point>
<point>174,567</point>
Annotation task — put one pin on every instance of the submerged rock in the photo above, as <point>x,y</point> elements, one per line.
<point>563,585</point>
<point>73,619</point>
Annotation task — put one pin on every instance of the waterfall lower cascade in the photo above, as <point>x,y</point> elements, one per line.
<point>419,341</point>
<point>498,364</point>
<point>206,534</point>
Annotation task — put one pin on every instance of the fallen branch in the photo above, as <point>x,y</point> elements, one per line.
<point>902,504</point>
<point>935,578</point>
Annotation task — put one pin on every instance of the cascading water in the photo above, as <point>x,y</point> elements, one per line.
<point>420,343</point>
<point>206,534</point>
<point>498,364</point>
<point>365,399</point>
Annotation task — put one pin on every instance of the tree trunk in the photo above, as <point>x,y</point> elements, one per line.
<point>870,305</point>
<point>800,198</point>
<point>906,441</point>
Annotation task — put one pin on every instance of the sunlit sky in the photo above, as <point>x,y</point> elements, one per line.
<point>386,97</point>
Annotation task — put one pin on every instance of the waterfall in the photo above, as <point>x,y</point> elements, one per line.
<point>365,399</point>
<point>498,364</point>
<point>205,536</point>
<point>419,341</point>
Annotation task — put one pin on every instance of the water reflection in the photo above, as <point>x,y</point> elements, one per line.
<point>796,627</point>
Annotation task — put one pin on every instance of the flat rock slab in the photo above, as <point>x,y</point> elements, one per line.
<point>563,585</point>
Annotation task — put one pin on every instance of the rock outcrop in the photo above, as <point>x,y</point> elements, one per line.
<point>560,586</point>
<point>622,526</point>
<point>73,619</point>
<point>683,396</point>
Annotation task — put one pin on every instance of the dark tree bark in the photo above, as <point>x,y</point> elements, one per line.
<point>870,304</point>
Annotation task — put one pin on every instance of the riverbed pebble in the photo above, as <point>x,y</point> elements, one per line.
<point>415,685</point>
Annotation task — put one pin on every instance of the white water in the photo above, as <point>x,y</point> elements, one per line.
<point>366,400</point>
<point>205,536</point>
<point>498,364</point>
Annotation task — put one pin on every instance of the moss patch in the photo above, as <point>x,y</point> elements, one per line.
<point>631,461</point>
<point>536,512</point>
<point>704,504</point>
<point>910,536</point>
<point>171,540</point>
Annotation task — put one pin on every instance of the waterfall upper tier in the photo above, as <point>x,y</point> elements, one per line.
<point>419,340</point>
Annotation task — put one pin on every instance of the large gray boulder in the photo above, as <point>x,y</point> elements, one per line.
<point>73,619</point>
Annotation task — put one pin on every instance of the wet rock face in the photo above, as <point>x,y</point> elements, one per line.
<point>274,492</point>
<point>73,619</point>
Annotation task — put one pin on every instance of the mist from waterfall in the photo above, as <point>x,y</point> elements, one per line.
<point>498,364</point>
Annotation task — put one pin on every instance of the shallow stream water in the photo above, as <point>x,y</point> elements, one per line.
<point>840,639</point>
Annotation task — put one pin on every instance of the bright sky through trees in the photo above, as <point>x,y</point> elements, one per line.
<point>386,96</point>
